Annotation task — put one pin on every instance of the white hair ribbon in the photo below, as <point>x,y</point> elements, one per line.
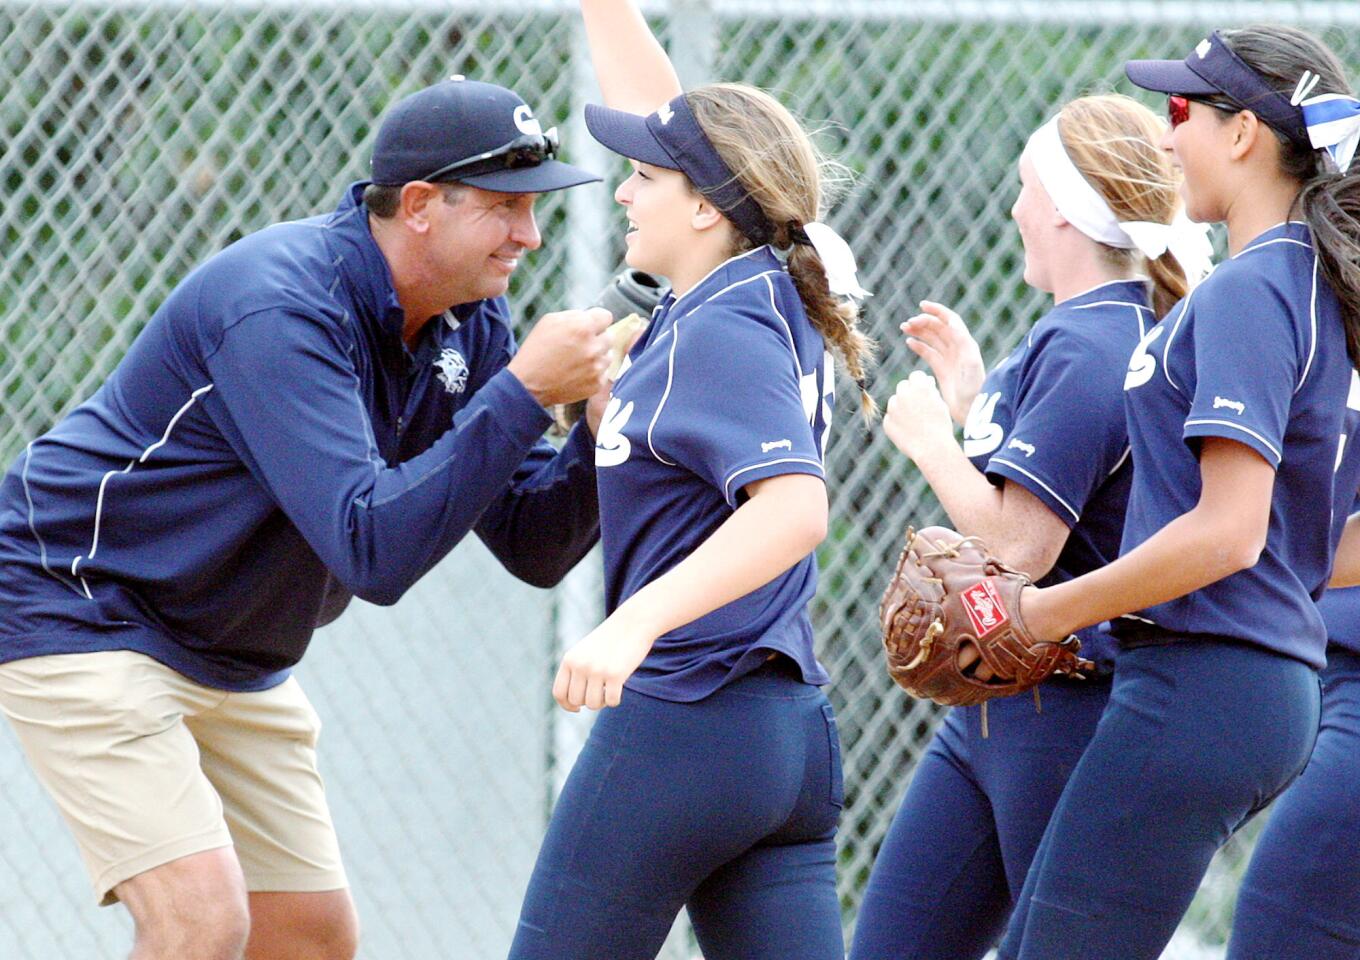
<point>1083,207</point>
<point>842,273</point>
<point>1333,122</point>
<point>1188,242</point>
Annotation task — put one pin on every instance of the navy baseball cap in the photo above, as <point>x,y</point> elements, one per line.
<point>672,138</point>
<point>479,134</point>
<point>1213,69</point>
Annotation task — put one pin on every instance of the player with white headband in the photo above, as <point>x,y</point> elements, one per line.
<point>1043,477</point>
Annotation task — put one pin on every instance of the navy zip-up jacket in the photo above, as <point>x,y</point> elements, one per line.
<point>267,449</point>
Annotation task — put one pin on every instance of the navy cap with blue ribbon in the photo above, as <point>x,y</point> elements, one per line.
<point>1213,68</point>
<point>672,138</point>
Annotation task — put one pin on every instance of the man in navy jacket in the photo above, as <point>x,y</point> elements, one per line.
<point>322,410</point>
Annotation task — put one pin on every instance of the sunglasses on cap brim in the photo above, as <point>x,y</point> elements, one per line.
<point>530,150</point>
<point>1178,107</point>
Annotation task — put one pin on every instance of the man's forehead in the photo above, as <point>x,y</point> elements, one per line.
<point>490,198</point>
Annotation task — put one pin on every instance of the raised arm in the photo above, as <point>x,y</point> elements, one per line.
<point>633,70</point>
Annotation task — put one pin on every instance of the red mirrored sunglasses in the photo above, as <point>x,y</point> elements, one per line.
<point>1177,109</point>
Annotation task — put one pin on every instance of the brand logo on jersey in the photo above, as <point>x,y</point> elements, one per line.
<point>452,370</point>
<point>984,608</point>
<point>611,446</point>
<point>1204,47</point>
<point>980,435</point>
<point>1237,406</point>
<point>775,445</point>
<point>665,113</point>
<point>1142,365</point>
<point>525,121</point>
<point>1026,448</point>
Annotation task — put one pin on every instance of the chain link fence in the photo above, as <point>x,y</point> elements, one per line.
<point>140,137</point>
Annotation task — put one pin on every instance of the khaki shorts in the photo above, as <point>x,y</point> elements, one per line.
<point>148,766</point>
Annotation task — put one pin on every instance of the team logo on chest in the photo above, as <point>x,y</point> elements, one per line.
<point>1142,365</point>
<point>452,370</point>
<point>981,435</point>
<point>611,446</point>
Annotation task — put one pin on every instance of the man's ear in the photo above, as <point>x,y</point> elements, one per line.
<point>414,208</point>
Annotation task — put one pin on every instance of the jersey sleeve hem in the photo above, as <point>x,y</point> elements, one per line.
<point>1036,485</point>
<point>763,469</point>
<point>1227,430</point>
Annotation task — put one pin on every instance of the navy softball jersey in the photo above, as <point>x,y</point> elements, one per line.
<point>1215,704</point>
<point>730,384</point>
<point>1050,417</point>
<point>1255,354</point>
<point>270,447</point>
<point>715,785</point>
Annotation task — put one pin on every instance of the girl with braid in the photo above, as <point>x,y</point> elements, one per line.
<point>713,781</point>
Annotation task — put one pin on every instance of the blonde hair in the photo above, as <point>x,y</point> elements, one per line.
<point>1113,140</point>
<point>780,167</point>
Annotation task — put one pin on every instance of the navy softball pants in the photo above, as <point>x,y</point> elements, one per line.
<point>727,807</point>
<point>1301,894</point>
<point>955,858</point>
<point>1199,735</point>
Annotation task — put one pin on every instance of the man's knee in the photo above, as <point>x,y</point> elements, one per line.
<point>194,908</point>
<point>303,926</point>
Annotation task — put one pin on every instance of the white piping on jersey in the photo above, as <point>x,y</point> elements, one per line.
<point>33,527</point>
<point>1312,319</point>
<point>788,331</point>
<point>1237,426</point>
<point>670,379</point>
<point>675,340</point>
<point>99,502</point>
<point>1107,283</point>
<point>727,486</point>
<point>1120,462</point>
<point>1051,492</point>
<point>1175,327</point>
<point>1138,309</point>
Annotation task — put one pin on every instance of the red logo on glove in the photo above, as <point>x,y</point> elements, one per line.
<point>984,608</point>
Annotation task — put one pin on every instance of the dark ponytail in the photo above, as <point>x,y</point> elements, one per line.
<point>1329,201</point>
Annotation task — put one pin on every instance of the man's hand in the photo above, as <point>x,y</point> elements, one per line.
<point>565,357</point>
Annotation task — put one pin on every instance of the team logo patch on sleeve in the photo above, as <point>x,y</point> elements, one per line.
<point>984,608</point>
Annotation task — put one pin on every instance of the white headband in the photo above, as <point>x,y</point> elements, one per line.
<point>1085,209</point>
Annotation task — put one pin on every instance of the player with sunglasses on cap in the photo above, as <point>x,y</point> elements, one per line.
<point>322,410</point>
<point>1042,476</point>
<point>1243,472</point>
<point>713,781</point>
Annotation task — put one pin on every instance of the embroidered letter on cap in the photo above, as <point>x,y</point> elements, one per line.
<point>984,608</point>
<point>665,113</point>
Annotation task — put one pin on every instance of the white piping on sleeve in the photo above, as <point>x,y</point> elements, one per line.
<point>1051,492</point>
<point>727,486</point>
<point>1237,426</point>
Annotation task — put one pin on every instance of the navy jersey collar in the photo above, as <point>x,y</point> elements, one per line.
<point>1289,230</point>
<point>732,270</point>
<point>1133,290</point>
<point>362,265</point>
